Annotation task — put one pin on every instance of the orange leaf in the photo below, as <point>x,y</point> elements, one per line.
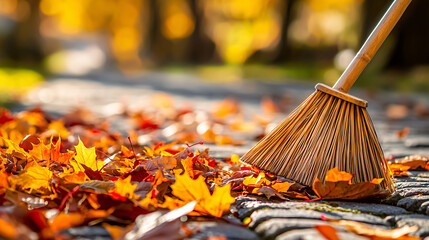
<point>377,233</point>
<point>64,220</point>
<point>327,231</point>
<point>334,175</point>
<point>338,186</point>
<point>227,107</point>
<point>282,186</point>
<point>7,230</point>
<point>403,133</point>
<point>115,231</point>
<point>188,190</point>
<point>268,106</point>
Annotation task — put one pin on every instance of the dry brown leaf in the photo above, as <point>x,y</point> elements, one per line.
<point>338,185</point>
<point>403,132</point>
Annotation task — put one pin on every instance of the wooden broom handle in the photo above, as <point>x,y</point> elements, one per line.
<point>371,45</point>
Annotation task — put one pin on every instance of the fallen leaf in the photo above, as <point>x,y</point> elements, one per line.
<point>338,185</point>
<point>7,230</point>
<point>403,133</point>
<point>268,106</point>
<point>188,190</point>
<point>400,166</point>
<point>33,178</point>
<point>282,187</point>
<point>377,233</point>
<point>116,232</point>
<point>327,231</point>
<point>227,107</point>
<point>159,225</point>
<point>85,156</point>
<point>124,188</point>
<point>64,220</point>
<point>270,192</point>
<point>15,149</point>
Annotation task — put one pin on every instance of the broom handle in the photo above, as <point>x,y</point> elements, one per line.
<point>371,45</point>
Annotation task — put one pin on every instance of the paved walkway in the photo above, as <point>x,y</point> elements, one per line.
<point>103,93</point>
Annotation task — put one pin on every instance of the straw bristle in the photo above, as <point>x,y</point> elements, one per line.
<point>322,133</point>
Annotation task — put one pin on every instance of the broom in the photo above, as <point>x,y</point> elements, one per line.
<point>331,128</point>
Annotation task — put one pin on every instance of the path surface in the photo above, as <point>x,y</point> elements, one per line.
<point>103,93</point>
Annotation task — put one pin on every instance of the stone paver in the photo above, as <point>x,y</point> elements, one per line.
<point>85,232</point>
<point>263,215</point>
<point>413,203</point>
<point>422,221</point>
<point>312,234</point>
<point>229,231</point>
<point>271,228</point>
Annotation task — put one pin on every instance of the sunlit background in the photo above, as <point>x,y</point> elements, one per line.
<point>219,40</point>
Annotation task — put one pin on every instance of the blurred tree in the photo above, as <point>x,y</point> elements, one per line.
<point>201,47</point>
<point>284,47</point>
<point>409,38</point>
<point>24,42</point>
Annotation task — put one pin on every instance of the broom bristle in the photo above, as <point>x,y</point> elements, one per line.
<point>322,133</point>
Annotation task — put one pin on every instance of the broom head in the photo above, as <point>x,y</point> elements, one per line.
<point>329,129</point>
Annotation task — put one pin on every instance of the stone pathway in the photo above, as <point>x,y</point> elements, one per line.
<point>270,219</point>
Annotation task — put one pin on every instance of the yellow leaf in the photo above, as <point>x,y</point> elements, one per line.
<point>235,159</point>
<point>188,190</point>
<point>33,178</point>
<point>57,128</point>
<point>85,156</point>
<point>124,188</point>
<point>258,181</point>
<point>15,149</point>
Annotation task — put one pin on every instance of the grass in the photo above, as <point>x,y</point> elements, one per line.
<point>15,82</point>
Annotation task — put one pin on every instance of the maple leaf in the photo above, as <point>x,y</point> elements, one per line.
<point>41,151</point>
<point>413,162</point>
<point>14,149</point>
<point>258,181</point>
<point>124,188</point>
<point>85,156</point>
<point>188,190</point>
<point>78,178</point>
<point>188,165</point>
<point>33,178</point>
<point>282,187</point>
<point>338,185</point>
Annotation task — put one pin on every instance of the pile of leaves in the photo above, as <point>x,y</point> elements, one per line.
<point>74,171</point>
